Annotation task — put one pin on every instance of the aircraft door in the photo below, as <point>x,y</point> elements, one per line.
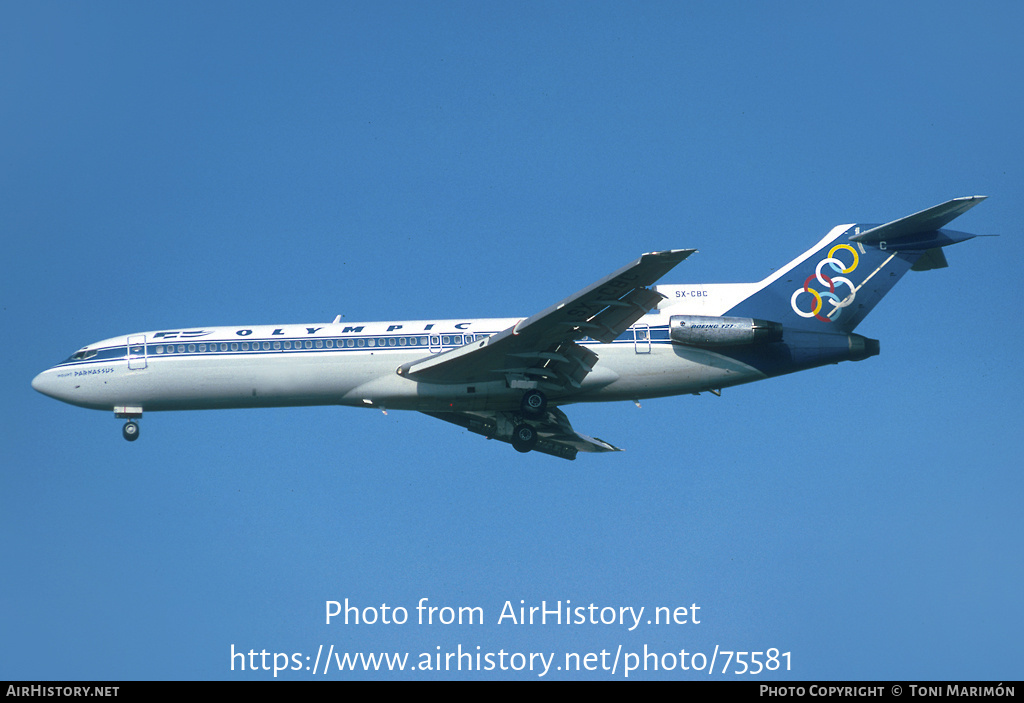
<point>642,345</point>
<point>137,352</point>
<point>435,343</point>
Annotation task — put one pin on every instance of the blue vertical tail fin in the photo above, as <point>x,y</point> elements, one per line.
<point>834,285</point>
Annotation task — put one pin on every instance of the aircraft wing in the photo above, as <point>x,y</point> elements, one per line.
<point>543,347</point>
<point>555,436</point>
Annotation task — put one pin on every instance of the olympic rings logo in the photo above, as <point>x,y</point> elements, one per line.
<point>837,266</point>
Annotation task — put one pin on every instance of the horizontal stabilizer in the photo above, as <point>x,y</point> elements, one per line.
<point>835,284</point>
<point>929,220</point>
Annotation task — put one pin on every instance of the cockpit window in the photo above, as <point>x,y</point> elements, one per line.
<point>83,354</point>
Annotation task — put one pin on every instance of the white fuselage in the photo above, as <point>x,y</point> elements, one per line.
<point>355,364</point>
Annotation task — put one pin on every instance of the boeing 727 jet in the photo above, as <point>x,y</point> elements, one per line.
<point>621,338</point>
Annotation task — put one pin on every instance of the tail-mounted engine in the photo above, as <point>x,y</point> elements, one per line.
<point>707,331</point>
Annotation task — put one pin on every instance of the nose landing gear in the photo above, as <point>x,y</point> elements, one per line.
<point>130,431</point>
<point>131,413</point>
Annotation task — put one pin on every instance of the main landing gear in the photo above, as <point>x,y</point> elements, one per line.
<point>524,438</point>
<point>533,406</point>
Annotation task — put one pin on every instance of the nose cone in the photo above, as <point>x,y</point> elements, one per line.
<point>49,383</point>
<point>60,383</point>
<point>46,384</point>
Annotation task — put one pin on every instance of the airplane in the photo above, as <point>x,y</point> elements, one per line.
<point>622,338</point>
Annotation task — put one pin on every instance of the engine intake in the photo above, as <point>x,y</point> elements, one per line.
<point>707,331</point>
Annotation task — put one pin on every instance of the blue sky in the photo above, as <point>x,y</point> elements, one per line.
<point>189,164</point>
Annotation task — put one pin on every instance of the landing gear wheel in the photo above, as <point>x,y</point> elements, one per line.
<point>130,431</point>
<point>533,405</point>
<point>524,438</point>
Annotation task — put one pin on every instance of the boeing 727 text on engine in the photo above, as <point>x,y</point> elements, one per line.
<point>621,338</point>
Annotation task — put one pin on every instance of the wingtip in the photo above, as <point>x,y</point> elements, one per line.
<point>969,200</point>
<point>966,202</point>
<point>678,254</point>
<point>672,252</point>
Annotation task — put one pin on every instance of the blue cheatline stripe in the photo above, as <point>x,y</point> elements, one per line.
<point>659,334</point>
